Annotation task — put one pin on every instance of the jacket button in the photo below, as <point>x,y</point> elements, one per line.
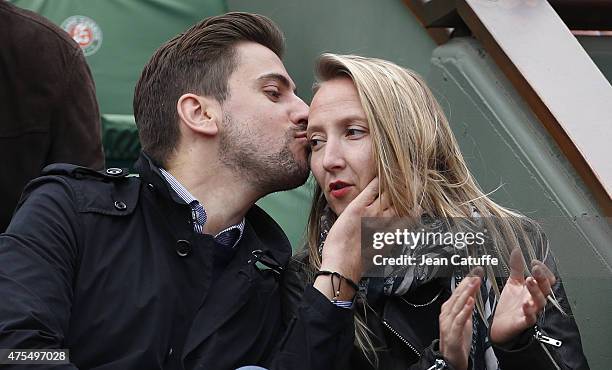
<point>151,186</point>
<point>120,206</point>
<point>114,171</point>
<point>183,248</point>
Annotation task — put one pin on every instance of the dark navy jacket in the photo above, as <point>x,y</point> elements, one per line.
<point>108,266</point>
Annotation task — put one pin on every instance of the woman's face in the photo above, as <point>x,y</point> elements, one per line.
<point>339,136</point>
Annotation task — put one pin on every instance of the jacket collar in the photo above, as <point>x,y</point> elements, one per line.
<point>150,174</point>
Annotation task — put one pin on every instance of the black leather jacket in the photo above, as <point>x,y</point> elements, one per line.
<point>407,329</point>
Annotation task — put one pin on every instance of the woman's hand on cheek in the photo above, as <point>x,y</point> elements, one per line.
<point>521,300</point>
<point>342,249</point>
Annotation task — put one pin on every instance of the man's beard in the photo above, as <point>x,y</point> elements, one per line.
<point>249,156</point>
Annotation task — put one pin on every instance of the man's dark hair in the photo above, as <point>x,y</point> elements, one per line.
<point>198,61</point>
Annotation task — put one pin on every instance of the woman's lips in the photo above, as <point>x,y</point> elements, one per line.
<point>338,189</point>
<point>339,193</point>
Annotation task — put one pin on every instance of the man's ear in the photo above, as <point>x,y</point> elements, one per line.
<point>199,113</point>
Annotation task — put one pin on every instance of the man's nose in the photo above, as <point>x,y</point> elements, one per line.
<point>299,114</point>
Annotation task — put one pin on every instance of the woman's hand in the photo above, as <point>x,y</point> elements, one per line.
<point>521,299</point>
<point>456,321</point>
<point>342,250</point>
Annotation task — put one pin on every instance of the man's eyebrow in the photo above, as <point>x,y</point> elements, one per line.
<point>280,79</point>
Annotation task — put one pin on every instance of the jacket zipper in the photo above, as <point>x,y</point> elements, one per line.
<point>538,336</point>
<point>401,338</point>
<point>438,365</point>
<point>548,340</point>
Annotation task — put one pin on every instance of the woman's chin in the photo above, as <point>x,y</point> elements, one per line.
<point>337,208</point>
<point>339,205</point>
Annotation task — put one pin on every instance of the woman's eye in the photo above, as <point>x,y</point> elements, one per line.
<point>354,132</point>
<point>314,143</point>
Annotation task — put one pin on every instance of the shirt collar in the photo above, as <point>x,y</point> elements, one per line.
<point>178,188</point>
<point>188,198</point>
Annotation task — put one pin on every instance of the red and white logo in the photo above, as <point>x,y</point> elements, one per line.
<point>85,32</point>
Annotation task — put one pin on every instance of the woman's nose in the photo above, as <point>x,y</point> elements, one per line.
<point>333,156</point>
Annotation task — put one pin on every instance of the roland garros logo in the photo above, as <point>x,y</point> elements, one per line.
<point>85,32</point>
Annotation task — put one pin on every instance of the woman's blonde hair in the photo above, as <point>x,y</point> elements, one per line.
<point>419,164</point>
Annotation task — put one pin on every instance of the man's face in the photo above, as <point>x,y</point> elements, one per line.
<point>263,133</point>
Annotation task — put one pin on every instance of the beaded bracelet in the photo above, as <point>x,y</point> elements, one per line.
<point>333,274</point>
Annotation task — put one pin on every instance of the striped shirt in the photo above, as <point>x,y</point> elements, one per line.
<point>228,237</point>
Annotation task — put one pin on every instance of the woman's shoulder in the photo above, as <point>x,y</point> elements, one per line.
<point>293,282</point>
<point>299,262</point>
<point>298,271</point>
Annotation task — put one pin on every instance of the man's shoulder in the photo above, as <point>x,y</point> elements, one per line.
<point>38,28</point>
<point>81,172</point>
<point>112,191</point>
